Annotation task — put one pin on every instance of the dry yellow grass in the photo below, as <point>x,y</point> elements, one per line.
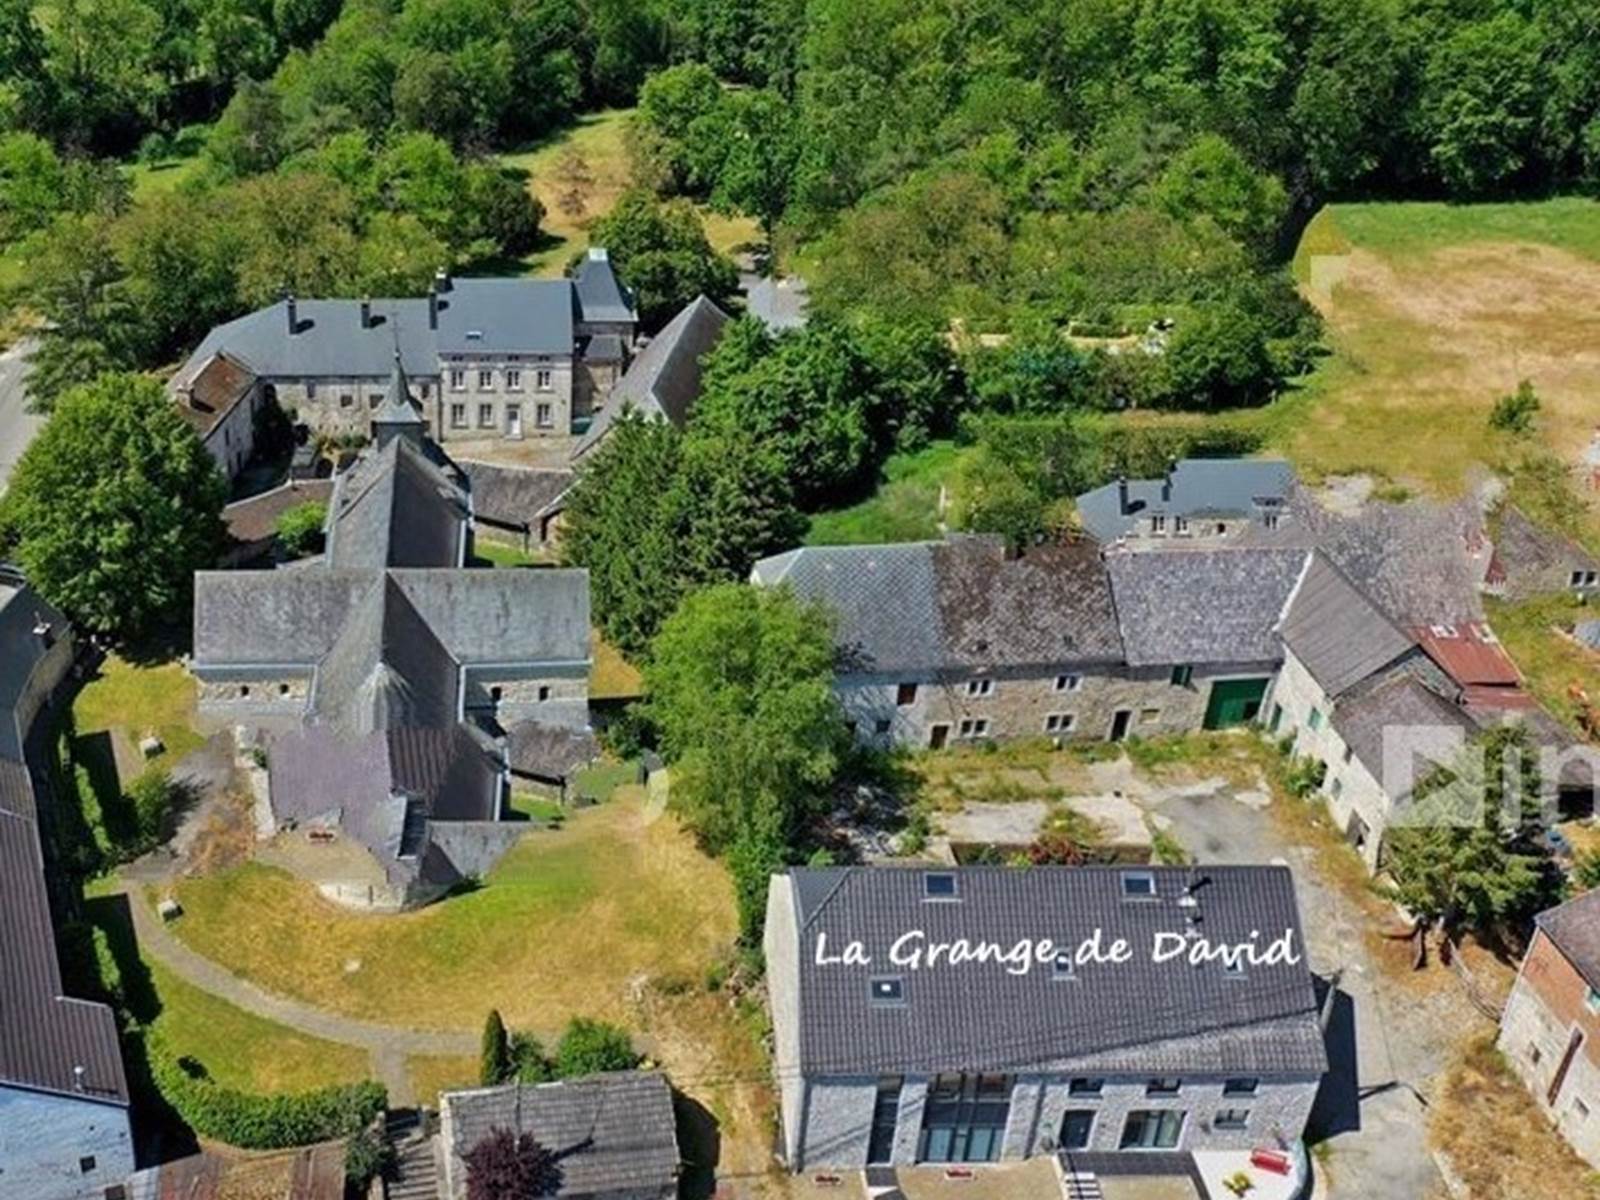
<point>612,677</point>
<point>570,923</point>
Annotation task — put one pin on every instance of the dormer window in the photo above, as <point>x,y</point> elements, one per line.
<point>887,989</point>
<point>939,885</point>
<point>1138,885</point>
<point>1158,524</point>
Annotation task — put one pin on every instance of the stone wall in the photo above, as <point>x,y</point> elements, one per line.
<point>1550,1002</point>
<point>558,694</point>
<point>344,405</point>
<point>472,408</point>
<point>838,1117</point>
<point>1071,701</point>
<point>261,698</point>
<point>61,1148</point>
<point>233,440</point>
<point>46,675</point>
<point>783,996</point>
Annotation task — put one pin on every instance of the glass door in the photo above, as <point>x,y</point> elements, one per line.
<point>965,1118</point>
<point>1076,1127</point>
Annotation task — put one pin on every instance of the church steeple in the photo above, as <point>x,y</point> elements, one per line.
<point>400,415</point>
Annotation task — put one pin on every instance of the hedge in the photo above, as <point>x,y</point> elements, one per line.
<point>253,1122</point>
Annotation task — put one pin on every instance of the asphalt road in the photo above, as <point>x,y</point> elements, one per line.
<point>17,425</point>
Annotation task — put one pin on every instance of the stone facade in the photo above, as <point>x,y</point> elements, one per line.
<point>233,440</point>
<point>55,1147</point>
<point>1551,1007</point>
<point>558,695</point>
<point>1298,708</point>
<point>513,396</point>
<point>1071,701</point>
<point>343,406</point>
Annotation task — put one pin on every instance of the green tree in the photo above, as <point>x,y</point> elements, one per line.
<point>671,102</point>
<point>494,1057</point>
<point>154,796</point>
<point>1211,178</point>
<point>591,1047</point>
<point>758,165</point>
<point>249,137</point>
<point>1479,102</point>
<point>32,184</point>
<point>1218,358</point>
<point>300,528</point>
<point>115,505</point>
<point>740,684</point>
<point>661,249</point>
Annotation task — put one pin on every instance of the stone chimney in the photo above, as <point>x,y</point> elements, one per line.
<point>292,312</point>
<point>441,281</point>
<point>366,312</point>
<point>1122,494</point>
<point>433,310</point>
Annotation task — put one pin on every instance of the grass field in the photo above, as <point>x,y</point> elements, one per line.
<point>589,159</point>
<point>1433,311</point>
<point>612,677</point>
<point>129,700</point>
<point>904,508</point>
<point>1550,663</point>
<point>152,179</point>
<point>432,1074</point>
<point>562,927</point>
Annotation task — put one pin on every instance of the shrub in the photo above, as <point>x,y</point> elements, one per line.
<point>589,1047</point>
<point>494,1061</point>
<point>253,1122</point>
<point>367,1156</point>
<point>529,1063</point>
<point>1514,413</point>
<point>153,796</point>
<point>1586,870</point>
<point>299,529</point>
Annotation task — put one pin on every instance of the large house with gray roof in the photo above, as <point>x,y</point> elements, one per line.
<point>977,1014</point>
<point>381,679</point>
<point>1202,499</point>
<point>64,1123</point>
<point>489,358</point>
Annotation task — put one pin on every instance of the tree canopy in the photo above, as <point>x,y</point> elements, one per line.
<point>115,505</point>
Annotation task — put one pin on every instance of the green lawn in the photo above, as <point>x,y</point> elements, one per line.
<point>563,926</point>
<point>1550,663</point>
<point>502,554</point>
<point>130,700</point>
<point>1407,229</point>
<point>905,508</point>
<point>152,179</point>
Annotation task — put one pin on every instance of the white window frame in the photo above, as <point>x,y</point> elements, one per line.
<point>486,379</point>
<point>972,728</point>
<point>513,379</point>
<point>458,379</point>
<point>544,416</point>
<point>978,688</point>
<point>485,416</point>
<point>1068,683</point>
<point>1060,722</point>
<point>543,380</point>
<point>458,416</point>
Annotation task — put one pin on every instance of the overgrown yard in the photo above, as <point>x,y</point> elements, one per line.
<point>1551,663</point>
<point>1433,312</point>
<point>1496,1139</point>
<point>570,923</point>
<point>905,507</point>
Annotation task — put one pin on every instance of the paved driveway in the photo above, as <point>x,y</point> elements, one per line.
<point>1374,1117</point>
<point>17,425</point>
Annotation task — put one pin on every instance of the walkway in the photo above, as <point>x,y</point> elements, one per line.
<point>389,1046</point>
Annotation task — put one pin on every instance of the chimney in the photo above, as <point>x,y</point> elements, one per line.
<point>289,308</point>
<point>366,312</point>
<point>598,254</point>
<point>1166,486</point>
<point>441,281</point>
<point>433,310</point>
<point>1122,494</point>
<point>78,1074</point>
<point>43,631</point>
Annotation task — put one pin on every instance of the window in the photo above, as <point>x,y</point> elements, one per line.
<point>424,391</point>
<point>1180,526</point>
<point>1068,683</point>
<point>1086,1087</point>
<point>905,694</point>
<point>513,420</point>
<point>1158,525</point>
<point>1270,520</point>
<point>1147,1130</point>
<point>283,689</point>
<point>1277,718</point>
<point>887,989</point>
<point>885,1117</point>
<point>458,380</point>
<point>1314,720</point>
<point>485,416</point>
<point>1577,579</point>
<point>1181,675</point>
<point>374,400</point>
<point>544,692</point>
<point>513,379</point>
<point>1222,528</point>
<point>1138,885</point>
<point>1592,1000</point>
<point>939,885</point>
<point>86,1163</point>
<point>881,725</point>
<point>1059,722</point>
<point>1076,1127</point>
<point>541,416</point>
<point>244,691</point>
<point>1163,1087</point>
<point>964,1119</point>
<point>1062,966</point>
<point>1240,1087</point>
<point>1231,1118</point>
<point>541,379</point>
<point>974,727</point>
<point>311,389</point>
<point>346,400</point>
<point>458,416</point>
<point>495,693</point>
<point>980,687</point>
<point>485,380</point>
<point>1149,716</point>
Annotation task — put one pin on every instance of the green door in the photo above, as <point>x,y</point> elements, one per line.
<point>1234,702</point>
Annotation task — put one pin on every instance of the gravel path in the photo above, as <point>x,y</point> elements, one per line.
<point>389,1046</point>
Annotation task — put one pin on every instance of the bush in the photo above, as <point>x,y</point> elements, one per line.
<point>589,1047</point>
<point>1514,413</point>
<point>510,1166</point>
<point>299,529</point>
<point>253,1122</point>
<point>367,1156</point>
<point>494,1057</point>
<point>529,1063</point>
<point>153,796</point>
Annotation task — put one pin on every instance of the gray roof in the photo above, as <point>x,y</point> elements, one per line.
<point>1336,632</point>
<point>600,296</point>
<point>958,605</point>
<point>1197,488</point>
<point>399,406</point>
<point>778,303</point>
<point>1395,701</point>
<point>1194,605</point>
<point>395,507</point>
<point>983,1016</point>
<point>614,1135</point>
<point>514,496</point>
<point>1574,927</point>
<point>21,650</point>
<point>1535,559</point>
<point>663,381</point>
<point>603,347</point>
<point>499,316</point>
<point>544,750</point>
<point>488,616</point>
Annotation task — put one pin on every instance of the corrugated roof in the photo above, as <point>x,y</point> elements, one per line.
<point>1197,488</point>
<point>1337,633</point>
<point>614,1134</point>
<point>988,1016</point>
<point>1469,654</point>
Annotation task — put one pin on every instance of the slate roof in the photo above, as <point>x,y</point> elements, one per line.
<point>1388,703</point>
<point>599,294</point>
<point>1202,605</point>
<point>1574,927</point>
<point>549,751</point>
<point>256,519</point>
<point>1197,488</point>
<point>614,1134</point>
<point>957,605</point>
<point>209,390</point>
<point>663,381</point>
<point>981,1016</point>
<point>21,610</point>
<point>397,508</point>
<point>1535,559</point>
<point>498,316</point>
<point>514,496</point>
<point>1336,632</point>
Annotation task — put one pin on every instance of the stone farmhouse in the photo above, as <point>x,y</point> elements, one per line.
<point>978,1014</point>
<point>64,1123</point>
<point>382,680</point>
<point>1198,498</point>
<point>490,358</point>
<point>1550,1029</point>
